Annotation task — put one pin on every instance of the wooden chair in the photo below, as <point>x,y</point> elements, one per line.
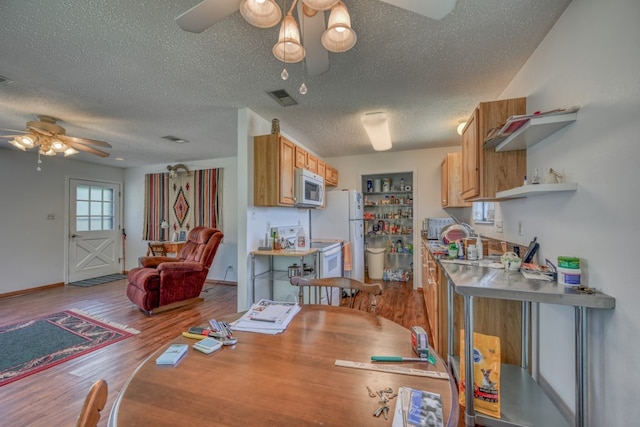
<point>93,404</point>
<point>316,289</point>
<point>157,249</point>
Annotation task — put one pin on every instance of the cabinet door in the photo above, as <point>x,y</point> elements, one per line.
<point>312,163</point>
<point>470,158</point>
<point>301,158</point>
<point>331,175</point>
<point>444,182</point>
<point>321,168</point>
<point>287,166</point>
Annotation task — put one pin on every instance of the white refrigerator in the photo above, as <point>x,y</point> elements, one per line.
<point>342,219</point>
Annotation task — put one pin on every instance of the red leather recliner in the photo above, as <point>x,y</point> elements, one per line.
<point>162,280</point>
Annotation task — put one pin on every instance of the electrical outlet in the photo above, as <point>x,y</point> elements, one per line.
<point>51,216</point>
<point>520,228</point>
<point>498,225</point>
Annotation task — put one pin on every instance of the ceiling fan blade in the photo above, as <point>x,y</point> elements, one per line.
<point>13,130</point>
<point>11,136</point>
<point>312,27</point>
<point>434,9</point>
<point>67,138</point>
<point>205,14</point>
<point>91,150</point>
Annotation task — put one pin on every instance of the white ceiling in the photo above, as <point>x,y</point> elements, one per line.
<point>122,71</point>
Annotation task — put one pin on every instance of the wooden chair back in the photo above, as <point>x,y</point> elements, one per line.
<point>157,249</point>
<point>93,404</point>
<point>312,290</point>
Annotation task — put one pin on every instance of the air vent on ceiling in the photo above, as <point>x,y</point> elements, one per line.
<point>5,80</point>
<point>283,98</point>
<point>176,139</point>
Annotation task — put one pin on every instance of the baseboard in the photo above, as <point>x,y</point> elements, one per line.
<point>220,282</point>
<point>564,409</point>
<point>30,290</point>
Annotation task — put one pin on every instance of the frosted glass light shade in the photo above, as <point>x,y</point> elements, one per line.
<point>377,127</point>
<point>320,4</point>
<point>288,48</point>
<point>461,127</point>
<point>261,13</point>
<point>339,36</point>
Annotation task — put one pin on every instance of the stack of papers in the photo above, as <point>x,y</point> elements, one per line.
<point>267,317</point>
<point>416,408</point>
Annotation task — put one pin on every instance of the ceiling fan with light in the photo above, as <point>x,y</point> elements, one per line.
<point>50,139</point>
<point>318,38</point>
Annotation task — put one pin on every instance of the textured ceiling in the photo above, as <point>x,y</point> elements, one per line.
<point>122,71</point>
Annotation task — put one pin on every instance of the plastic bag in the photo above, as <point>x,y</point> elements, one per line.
<point>486,374</point>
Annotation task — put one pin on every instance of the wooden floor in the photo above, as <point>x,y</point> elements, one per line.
<point>54,397</point>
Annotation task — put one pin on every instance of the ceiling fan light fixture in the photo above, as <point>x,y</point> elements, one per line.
<point>288,48</point>
<point>49,152</point>
<point>320,4</point>
<point>70,152</point>
<point>27,140</point>
<point>17,145</point>
<point>339,36</point>
<point>377,127</point>
<point>261,13</point>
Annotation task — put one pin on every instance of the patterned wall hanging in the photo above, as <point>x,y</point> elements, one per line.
<point>185,199</point>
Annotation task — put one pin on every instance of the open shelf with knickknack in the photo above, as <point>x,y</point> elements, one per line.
<point>388,220</point>
<point>529,130</point>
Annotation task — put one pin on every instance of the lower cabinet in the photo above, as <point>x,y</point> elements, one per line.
<point>496,317</point>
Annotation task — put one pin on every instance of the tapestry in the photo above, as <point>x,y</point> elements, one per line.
<point>185,200</point>
<point>32,346</point>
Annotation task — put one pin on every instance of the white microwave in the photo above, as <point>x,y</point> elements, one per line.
<point>309,189</point>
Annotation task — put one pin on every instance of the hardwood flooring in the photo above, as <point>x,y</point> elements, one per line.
<point>55,396</point>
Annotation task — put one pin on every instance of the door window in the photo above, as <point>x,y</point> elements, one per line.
<point>94,208</point>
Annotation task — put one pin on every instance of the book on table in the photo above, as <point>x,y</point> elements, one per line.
<point>267,317</point>
<point>172,355</point>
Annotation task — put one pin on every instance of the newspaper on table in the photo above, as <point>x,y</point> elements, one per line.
<point>267,317</point>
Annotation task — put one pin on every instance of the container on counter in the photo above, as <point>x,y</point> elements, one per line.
<point>569,273</point>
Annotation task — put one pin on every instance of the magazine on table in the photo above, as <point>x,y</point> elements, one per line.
<point>267,317</point>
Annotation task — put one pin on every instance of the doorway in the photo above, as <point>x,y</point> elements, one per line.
<point>94,229</point>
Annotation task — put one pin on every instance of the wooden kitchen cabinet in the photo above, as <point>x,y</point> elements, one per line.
<point>301,158</point>
<point>431,291</point>
<point>485,171</point>
<point>273,175</point>
<point>331,176</point>
<point>322,168</point>
<point>451,182</point>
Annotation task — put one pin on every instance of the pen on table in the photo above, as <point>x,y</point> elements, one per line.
<point>227,329</point>
<point>263,320</point>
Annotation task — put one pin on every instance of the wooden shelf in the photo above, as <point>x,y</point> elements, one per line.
<point>532,132</point>
<point>535,190</point>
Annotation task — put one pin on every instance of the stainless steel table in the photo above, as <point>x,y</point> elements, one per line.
<point>475,281</point>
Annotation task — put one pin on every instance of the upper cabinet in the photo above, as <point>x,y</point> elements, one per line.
<point>273,173</point>
<point>331,176</point>
<point>275,161</point>
<point>451,182</point>
<point>485,171</point>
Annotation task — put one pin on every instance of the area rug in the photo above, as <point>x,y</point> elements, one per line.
<point>34,345</point>
<point>99,280</point>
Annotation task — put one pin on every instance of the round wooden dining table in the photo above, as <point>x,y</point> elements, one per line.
<point>289,379</point>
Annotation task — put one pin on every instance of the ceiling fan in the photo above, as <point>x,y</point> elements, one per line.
<point>51,139</point>
<point>266,14</point>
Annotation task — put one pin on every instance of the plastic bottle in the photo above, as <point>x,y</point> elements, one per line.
<point>301,239</point>
<point>479,247</point>
<point>453,250</point>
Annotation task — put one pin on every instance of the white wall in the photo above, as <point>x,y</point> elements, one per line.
<point>425,165</point>
<point>590,58</point>
<point>33,249</point>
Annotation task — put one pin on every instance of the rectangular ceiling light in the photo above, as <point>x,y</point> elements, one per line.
<point>377,127</point>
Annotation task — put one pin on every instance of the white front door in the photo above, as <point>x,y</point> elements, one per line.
<point>94,229</point>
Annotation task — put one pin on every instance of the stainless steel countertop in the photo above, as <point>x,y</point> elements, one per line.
<point>511,285</point>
